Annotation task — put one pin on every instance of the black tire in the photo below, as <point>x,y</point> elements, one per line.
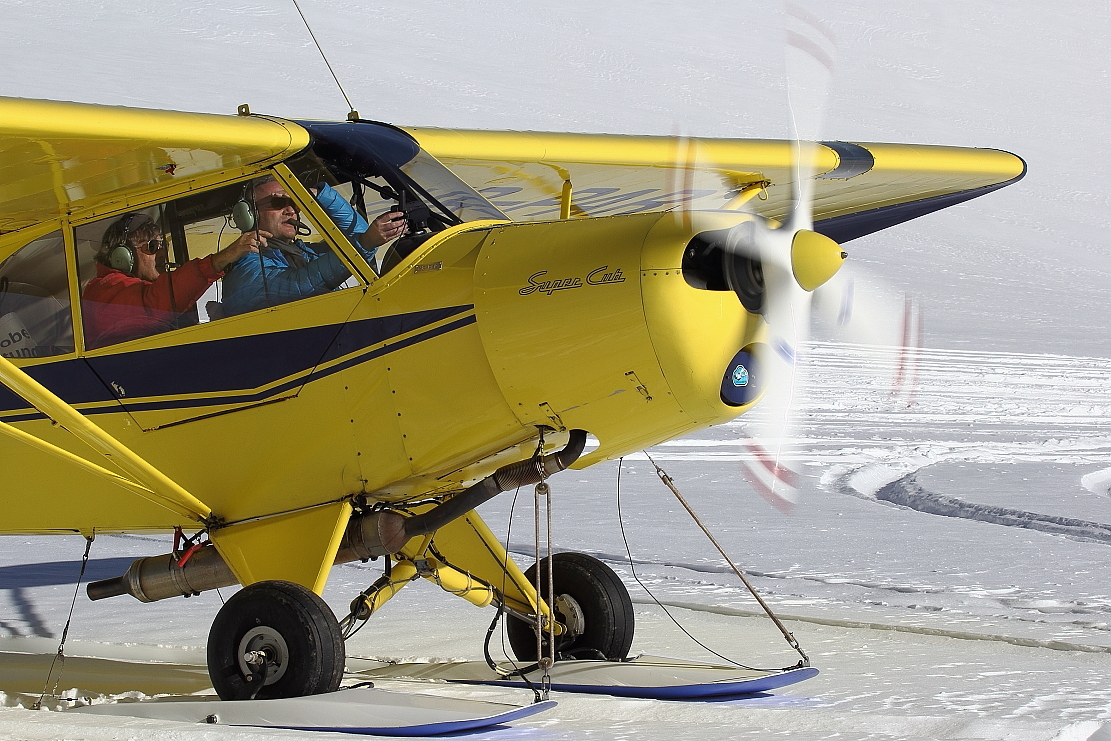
<point>602,600</point>
<point>297,629</point>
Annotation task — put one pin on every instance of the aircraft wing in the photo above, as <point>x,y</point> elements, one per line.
<point>58,156</point>
<point>860,188</point>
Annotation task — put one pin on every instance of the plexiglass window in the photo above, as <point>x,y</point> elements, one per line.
<point>377,169</point>
<point>197,259</point>
<point>35,319</point>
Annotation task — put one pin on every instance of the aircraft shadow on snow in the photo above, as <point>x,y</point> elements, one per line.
<point>16,579</point>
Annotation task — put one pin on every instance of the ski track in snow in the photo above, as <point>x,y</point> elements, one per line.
<point>906,492</point>
<point>965,405</point>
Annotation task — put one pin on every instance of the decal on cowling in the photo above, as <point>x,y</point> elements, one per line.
<point>740,376</point>
<point>597,277</point>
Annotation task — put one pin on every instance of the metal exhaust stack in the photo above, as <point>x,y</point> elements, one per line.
<point>367,536</point>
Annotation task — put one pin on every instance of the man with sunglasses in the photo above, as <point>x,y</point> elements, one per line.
<point>286,268</point>
<point>133,295</point>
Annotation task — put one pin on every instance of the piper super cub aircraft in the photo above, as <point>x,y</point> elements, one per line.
<point>550,288</point>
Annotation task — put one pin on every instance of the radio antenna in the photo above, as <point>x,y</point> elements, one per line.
<point>353,115</point>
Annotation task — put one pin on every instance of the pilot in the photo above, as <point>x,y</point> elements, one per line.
<point>133,295</point>
<point>286,268</point>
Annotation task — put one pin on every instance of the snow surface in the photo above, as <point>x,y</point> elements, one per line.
<point>947,569</point>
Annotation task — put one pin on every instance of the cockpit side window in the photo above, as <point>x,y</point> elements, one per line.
<point>35,318</point>
<point>200,258</point>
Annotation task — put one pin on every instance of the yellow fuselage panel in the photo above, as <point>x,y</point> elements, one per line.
<point>479,337</point>
<point>42,494</point>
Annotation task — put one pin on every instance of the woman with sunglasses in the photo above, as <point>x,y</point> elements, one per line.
<point>133,295</point>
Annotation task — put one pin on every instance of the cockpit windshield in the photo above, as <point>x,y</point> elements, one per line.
<point>386,168</point>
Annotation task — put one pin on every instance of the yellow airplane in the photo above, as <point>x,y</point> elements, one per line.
<point>553,289</point>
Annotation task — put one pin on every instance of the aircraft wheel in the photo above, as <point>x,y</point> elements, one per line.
<point>591,601</point>
<point>279,634</point>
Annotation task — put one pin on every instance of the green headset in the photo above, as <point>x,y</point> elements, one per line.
<point>243,213</point>
<point>122,256</point>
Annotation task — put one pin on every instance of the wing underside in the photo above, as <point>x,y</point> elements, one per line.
<point>860,187</point>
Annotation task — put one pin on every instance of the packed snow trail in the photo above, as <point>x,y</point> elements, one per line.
<point>907,492</point>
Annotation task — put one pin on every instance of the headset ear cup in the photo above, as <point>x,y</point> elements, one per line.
<point>122,258</point>
<point>243,215</point>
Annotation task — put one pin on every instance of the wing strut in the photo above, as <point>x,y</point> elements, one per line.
<point>142,478</point>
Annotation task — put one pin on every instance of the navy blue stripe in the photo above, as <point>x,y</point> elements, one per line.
<point>354,336</point>
<point>223,365</point>
<point>70,379</point>
<point>253,361</point>
<point>458,323</point>
<point>218,365</point>
<point>314,376</point>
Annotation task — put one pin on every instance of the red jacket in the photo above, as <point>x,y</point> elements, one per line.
<point>117,306</point>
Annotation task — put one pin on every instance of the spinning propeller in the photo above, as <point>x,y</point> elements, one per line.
<point>792,261</point>
<point>784,253</point>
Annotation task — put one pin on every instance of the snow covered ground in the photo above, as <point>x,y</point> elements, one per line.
<point>947,568</point>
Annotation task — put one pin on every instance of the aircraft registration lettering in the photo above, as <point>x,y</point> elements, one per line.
<point>596,277</point>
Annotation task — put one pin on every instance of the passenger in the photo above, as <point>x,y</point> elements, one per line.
<point>133,295</point>
<point>287,269</point>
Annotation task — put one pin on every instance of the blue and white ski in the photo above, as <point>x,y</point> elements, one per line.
<point>364,711</point>
<point>645,676</point>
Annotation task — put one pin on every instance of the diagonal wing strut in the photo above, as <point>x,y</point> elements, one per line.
<point>141,477</point>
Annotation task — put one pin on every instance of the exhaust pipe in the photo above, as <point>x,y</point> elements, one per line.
<point>367,536</point>
<point>159,577</point>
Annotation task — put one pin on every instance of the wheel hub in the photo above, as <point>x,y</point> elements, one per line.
<point>264,641</point>
<point>571,615</point>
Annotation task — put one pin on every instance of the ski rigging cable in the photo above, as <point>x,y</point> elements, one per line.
<point>517,671</point>
<point>740,574</point>
<point>65,631</point>
<point>636,578</point>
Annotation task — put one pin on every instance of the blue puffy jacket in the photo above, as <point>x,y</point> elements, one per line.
<point>267,278</point>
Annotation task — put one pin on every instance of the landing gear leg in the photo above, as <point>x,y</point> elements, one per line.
<point>275,639</point>
<point>590,601</point>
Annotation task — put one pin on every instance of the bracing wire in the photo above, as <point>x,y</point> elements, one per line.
<point>61,654</point>
<point>636,578</point>
<point>666,480</point>
<point>326,62</point>
<point>517,671</point>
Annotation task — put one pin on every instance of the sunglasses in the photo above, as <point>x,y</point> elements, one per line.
<point>278,203</point>
<point>151,246</point>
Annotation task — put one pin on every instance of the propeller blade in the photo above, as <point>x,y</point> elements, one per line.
<point>795,260</point>
<point>774,267</point>
<point>857,307</point>
<point>810,52</point>
<point>771,427</point>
